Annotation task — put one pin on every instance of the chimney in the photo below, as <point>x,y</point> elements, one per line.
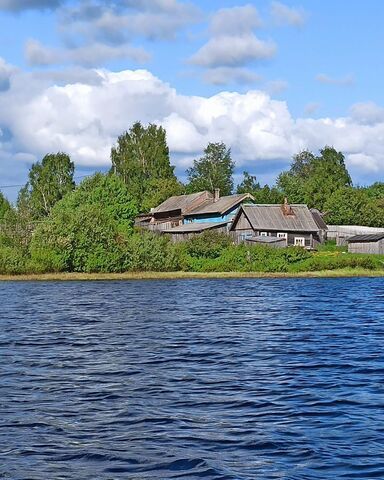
<point>286,208</point>
<point>216,194</point>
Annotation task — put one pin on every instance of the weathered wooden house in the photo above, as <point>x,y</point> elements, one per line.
<point>295,224</point>
<point>373,244</point>
<point>171,212</point>
<point>208,210</point>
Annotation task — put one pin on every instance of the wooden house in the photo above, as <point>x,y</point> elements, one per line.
<point>217,209</point>
<point>295,224</point>
<point>373,244</point>
<point>202,207</point>
<point>171,212</point>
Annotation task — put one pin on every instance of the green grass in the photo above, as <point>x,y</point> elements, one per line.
<point>345,272</point>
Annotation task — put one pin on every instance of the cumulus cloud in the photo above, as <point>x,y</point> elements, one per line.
<point>87,55</point>
<point>348,80</point>
<point>367,113</point>
<point>284,15</point>
<point>234,51</point>
<point>19,5</point>
<point>120,21</point>
<point>85,118</point>
<point>232,44</point>
<point>235,20</point>
<point>6,72</point>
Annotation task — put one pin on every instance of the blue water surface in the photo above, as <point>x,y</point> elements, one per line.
<point>217,379</point>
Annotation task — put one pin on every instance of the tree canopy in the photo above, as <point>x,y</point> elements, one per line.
<point>312,179</point>
<point>140,159</point>
<point>213,170</point>
<point>5,206</point>
<point>48,182</point>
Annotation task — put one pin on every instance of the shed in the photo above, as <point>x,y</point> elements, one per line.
<point>189,230</point>
<point>274,242</point>
<point>373,244</point>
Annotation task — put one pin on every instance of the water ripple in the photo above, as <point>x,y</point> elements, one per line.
<point>218,379</point>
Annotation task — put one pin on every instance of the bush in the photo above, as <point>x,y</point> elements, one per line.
<point>147,251</point>
<point>12,261</point>
<point>210,244</point>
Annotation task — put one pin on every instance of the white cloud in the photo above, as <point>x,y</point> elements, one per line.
<point>235,20</point>
<point>6,72</point>
<point>367,113</point>
<point>233,51</point>
<point>84,118</point>
<point>232,45</point>
<point>88,55</point>
<point>284,15</point>
<point>342,81</point>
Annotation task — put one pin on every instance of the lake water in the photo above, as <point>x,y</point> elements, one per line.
<point>218,379</point>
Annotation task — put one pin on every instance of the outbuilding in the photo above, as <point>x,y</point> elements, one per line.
<point>373,244</point>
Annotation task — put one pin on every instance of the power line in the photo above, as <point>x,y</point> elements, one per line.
<point>22,185</point>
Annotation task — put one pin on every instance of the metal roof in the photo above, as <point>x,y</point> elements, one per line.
<point>263,239</point>
<point>221,206</point>
<point>318,217</point>
<point>366,238</point>
<point>181,202</point>
<point>195,227</point>
<point>271,217</point>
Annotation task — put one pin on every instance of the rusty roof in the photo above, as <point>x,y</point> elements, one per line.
<point>271,217</point>
<point>221,206</point>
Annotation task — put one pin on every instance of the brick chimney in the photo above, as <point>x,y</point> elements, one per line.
<point>216,194</point>
<point>286,208</point>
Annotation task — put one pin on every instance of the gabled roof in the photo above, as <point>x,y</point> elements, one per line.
<point>271,217</point>
<point>318,217</point>
<point>220,206</point>
<point>366,238</point>
<point>195,227</point>
<point>182,202</point>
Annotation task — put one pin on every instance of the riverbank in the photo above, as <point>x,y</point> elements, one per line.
<point>356,272</point>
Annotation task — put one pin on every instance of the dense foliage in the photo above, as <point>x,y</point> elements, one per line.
<point>57,227</point>
<point>213,170</point>
<point>141,160</point>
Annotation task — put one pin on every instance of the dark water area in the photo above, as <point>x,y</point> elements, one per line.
<point>217,379</point>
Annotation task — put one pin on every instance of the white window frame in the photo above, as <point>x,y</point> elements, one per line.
<point>282,235</point>
<point>263,234</point>
<point>299,242</point>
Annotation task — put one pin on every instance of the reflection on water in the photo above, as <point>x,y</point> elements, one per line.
<point>218,379</point>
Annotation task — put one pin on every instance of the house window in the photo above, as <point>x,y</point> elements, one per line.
<point>245,236</point>
<point>282,235</point>
<point>263,234</point>
<point>300,241</point>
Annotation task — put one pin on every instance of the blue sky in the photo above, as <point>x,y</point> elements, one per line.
<point>268,78</point>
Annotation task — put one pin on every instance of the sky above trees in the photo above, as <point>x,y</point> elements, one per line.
<point>267,78</point>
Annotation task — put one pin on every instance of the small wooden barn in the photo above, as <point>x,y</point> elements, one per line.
<point>373,244</point>
<point>189,230</point>
<point>295,224</point>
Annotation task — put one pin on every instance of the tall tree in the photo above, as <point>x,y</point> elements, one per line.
<point>140,157</point>
<point>4,207</point>
<point>213,170</point>
<point>312,179</point>
<point>249,184</point>
<point>264,194</point>
<point>48,182</point>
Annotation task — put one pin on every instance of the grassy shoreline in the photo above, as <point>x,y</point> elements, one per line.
<point>356,272</point>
